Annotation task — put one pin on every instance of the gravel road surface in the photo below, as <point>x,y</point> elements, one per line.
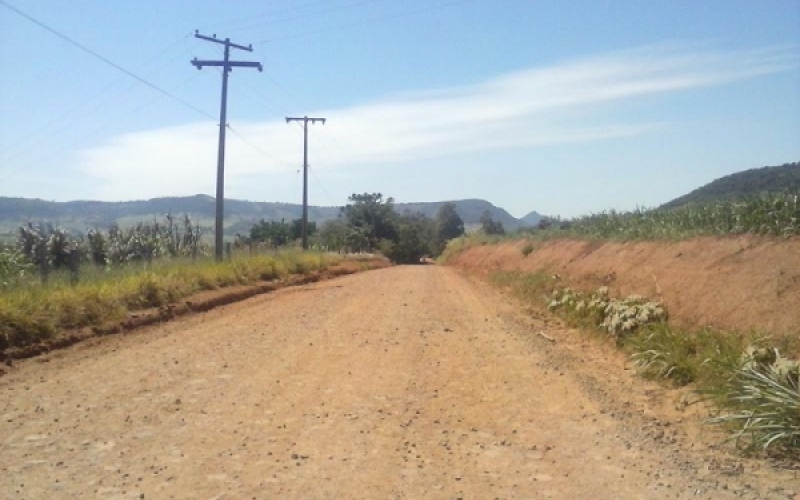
<point>402,383</point>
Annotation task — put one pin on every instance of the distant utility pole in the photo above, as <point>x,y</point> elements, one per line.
<point>226,65</point>
<point>305,121</point>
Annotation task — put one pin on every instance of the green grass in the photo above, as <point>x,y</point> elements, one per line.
<point>462,243</point>
<point>761,406</point>
<point>30,312</point>
<point>682,357</point>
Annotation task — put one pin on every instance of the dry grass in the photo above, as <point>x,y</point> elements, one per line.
<point>34,312</point>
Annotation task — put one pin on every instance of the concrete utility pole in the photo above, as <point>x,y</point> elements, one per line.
<point>226,65</point>
<point>305,121</point>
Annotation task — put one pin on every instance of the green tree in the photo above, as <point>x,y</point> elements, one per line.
<point>491,226</point>
<point>449,225</point>
<point>333,235</point>
<point>276,234</point>
<point>415,234</point>
<point>297,229</point>
<point>372,218</point>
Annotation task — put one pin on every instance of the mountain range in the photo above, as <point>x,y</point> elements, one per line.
<point>80,216</point>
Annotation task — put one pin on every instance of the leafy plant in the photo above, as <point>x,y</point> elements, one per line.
<point>14,268</point>
<point>776,214</point>
<point>761,402</point>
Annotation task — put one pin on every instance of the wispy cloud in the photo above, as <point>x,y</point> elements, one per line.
<point>539,106</point>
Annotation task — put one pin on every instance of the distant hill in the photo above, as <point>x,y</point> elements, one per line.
<point>470,211</point>
<point>80,216</point>
<point>531,219</point>
<point>746,183</point>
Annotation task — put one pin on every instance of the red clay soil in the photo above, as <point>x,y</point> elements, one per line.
<point>736,283</point>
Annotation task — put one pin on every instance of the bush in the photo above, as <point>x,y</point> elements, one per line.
<point>527,249</point>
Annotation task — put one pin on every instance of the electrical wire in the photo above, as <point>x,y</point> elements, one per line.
<point>104,59</point>
<point>29,142</point>
<point>256,148</point>
<point>99,129</point>
<point>322,187</point>
<point>307,15</point>
<point>267,14</point>
<point>362,22</point>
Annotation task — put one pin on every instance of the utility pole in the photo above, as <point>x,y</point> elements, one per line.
<point>226,65</point>
<point>305,121</point>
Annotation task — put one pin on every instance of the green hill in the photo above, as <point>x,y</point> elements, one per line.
<point>80,216</point>
<point>746,183</point>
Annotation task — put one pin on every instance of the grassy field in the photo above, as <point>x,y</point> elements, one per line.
<point>30,311</point>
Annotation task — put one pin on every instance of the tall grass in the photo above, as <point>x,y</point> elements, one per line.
<point>30,312</point>
<point>761,405</point>
<point>771,214</point>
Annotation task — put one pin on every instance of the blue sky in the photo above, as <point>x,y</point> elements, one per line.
<point>560,107</point>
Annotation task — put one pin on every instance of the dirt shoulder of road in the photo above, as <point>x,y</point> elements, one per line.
<point>733,283</point>
<point>195,303</point>
<point>407,382</point>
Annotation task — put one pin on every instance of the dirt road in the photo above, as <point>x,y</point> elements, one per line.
<point>402,383</point>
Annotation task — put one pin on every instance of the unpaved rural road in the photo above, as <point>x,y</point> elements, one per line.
<point>402,383</point>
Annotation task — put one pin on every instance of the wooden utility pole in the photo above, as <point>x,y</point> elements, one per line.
<point>305,121</point>
<point>226,65</point>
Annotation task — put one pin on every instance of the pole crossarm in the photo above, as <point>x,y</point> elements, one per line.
<point>304,119</point>
<point>226,42</point>
<point>199,63</point>
<point>227,65</point>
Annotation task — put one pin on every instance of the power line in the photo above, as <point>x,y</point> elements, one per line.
<point>82,105</point>
<point>267,14</point>
<point>99,129</point>
<point>322,186</point>
<point>307,15</point>
<point>370,20</point>
<point>104,59</point>
<point>258,149</point>
<point>127,72</point>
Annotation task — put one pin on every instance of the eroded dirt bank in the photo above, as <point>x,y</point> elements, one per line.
<point>407,382</point>
<point>736,283</point>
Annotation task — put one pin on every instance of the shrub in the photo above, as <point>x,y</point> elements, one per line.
<point>527,249</point>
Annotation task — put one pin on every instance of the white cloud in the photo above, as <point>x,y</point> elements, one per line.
<point>539,106</point>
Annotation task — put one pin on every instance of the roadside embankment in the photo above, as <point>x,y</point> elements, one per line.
<point>732,283</point>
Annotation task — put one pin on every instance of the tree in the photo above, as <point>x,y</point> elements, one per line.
<point>449,225</point>
<point>276,234</point>
<point>491,226</point>
<point>373,218</point>
<point>297,229</point>
<point>333,234</point>
<point>414,239</point>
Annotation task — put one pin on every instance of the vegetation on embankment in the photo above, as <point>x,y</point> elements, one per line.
<point>732,283</point>
<point>746,378</point>
<point>33,312</point>
<point>719,269</point>
<point>775,214</point>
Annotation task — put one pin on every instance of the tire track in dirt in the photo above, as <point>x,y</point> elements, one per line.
<point>408,382</point>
